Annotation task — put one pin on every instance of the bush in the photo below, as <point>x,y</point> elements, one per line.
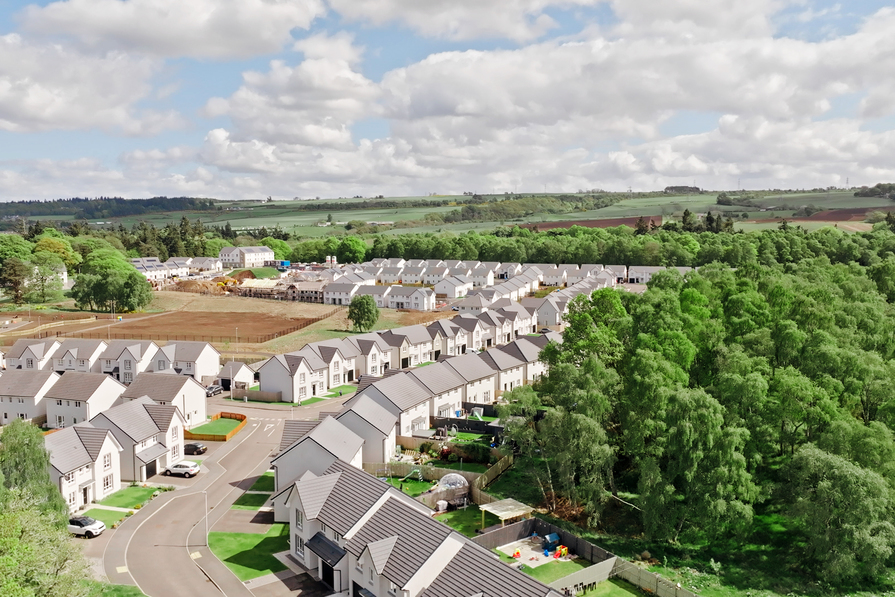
<point>475,452</point>
<point>453,457</point>
<point>426,447</point>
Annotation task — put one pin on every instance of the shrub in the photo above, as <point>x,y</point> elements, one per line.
<point>426,447</point>
<point>138,506</point>
<point>453,457</point>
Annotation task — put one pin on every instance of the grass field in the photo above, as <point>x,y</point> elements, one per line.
<point>217,427</point>
<point>264,483</point>
<point>310,401</point>
<point>108,517</point>
<point>129,497</point>
<point>250,555</point>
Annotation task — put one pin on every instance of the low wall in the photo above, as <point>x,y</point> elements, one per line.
<point>430,473</point>
<point>215,437</point>
<point>468,425</point>
<point>648,581</point>
<point>489,410</point>
<point>586,578</point>
<point>257,395</point>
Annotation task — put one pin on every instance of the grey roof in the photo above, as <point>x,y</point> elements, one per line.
<point>330,435</point>
<point>314,492</point>
<point>475,571</point>
<point>160,387</point>
<point>38,346</point>
<point>373,413</point>
<point>79,349</point>
<point>152,452</point>
<point>380,552</point>
<point>418,537</point>
<point>491,318</point>
<point>416,334</point>
<point>474,300</point>
<point>338,287</point>
<point>470,367</point>
<point>408,291</point>
<point>521,350</point>
<point>328,550</point>
<point>138,348</point>
<point>373,290</point>
<point>76,385</point>
<point>24,382</point>
<point>445,327</point>
<point>468,322</point>
<point>132,418</point>
<point>438,378</point>
<point>189,351</point>
<point>404,391</point>
<point>231,369</point>
<point>74,447</point>
<point>500,360</point>
<point>161,414</point>
<point>354,496</point>
<point>294,430</point>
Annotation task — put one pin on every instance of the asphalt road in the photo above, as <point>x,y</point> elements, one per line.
<point>162,549</point>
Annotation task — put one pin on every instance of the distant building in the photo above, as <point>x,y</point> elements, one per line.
<point>245,257</point>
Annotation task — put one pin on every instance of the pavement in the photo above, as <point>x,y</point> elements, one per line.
<point>162,549</point>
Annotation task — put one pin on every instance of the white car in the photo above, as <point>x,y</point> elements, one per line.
<point>186,468</point>
<point>86,526</point>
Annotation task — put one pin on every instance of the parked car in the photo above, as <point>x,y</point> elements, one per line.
<point>455,308</point>
<point>546,330</point>
<point>185,468</point>
<point>85,526</point>
<point>213,390</point>
<point>194,449</point>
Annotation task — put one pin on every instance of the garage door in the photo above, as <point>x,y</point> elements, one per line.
<point>151,468</point>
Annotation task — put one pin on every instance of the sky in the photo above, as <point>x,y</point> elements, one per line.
<point>247,99</point>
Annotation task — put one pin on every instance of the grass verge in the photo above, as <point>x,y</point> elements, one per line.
<point>217,427</point>
<point>101,589</point>
<point>264,483</point>
<point>312,401</point>
<point>250,555</point>
<point>109,517</point>
<point>129,497</point>
<point>250,501</point>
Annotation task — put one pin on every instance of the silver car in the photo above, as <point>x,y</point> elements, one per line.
<point>186,468</point>
<point>85,526</point>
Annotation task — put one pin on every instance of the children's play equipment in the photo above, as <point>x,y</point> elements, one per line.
<point>418,472</point>
<point>551,542</point>
<point>561,551</point>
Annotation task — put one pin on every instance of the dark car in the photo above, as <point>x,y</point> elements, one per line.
<point>546,330</point>
<point>213,390</point>
<point>194,449</point>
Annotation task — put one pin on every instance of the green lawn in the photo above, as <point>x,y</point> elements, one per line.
<point>547,573</point>
<point>518,483</point>
<point>101,589</point>
<point>412,486</point>
<point>312,401</point>
<point>109,517</point>
<point>613,588</point>
<point>347,390</point>
<point>264,483</point>
<point>250,555</point>
<point>467,520</point>
<point>260,272</point>
<point>220,426</point>
<point>250,501</point>
<point>470,467</point>
<point>504,557</point>
<point>129,497</point>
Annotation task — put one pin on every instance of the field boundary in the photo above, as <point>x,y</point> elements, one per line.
<point>212,437</point>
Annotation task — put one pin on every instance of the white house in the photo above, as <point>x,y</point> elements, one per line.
<point>641,274</point>
<point>85,463</point>
<point>31,354</point>
<point>409,297</point>
<point>77,397</point>
<point>412,275</point>
<point>124,359</point>
<point>454,287</point>
<point>182,391</point>
<point>445,386</point>
<point>296,376</point>
<point>22,394</point>
<point>75,354</point>
<point>555,276</point>
<point>403,396</point>
<point>510,370</point>
<point>390,275</point>
<point>482,277</point>
<point>447,338</point>
<point>245,257</point>
<point>435,274</point>
<point>150,434</point>
<point>379,294</point>
<point>374,424</point>
<point>199,360</point>
<point>235,374</point>
<point>474,304</point>
<point>374,354</point>
<point>339,294</point>
<point>411,345</point>
<point>481,379</point>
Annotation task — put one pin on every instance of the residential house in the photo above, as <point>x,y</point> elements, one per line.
<point>150,434</point>
<point>379,294</point>
<point>339,294</point>
<point>306,292</point>
<point>75,354</point>
<point>555,276</point>
<point>359,278</point>
<point>199,360</point>
<point>454,287</point>
<point>619,272</point>
<point>435,274</point>
<point>374,354</point>
<point>444,384</point>
<point>373,423</point>
<point>508,270</point>
<point>527,352</point>
<point>182,391</point>
<point>461,272</point>
<point>413,275</point>
<point>390,275</point>
<point>22,394</point>
<point>295,375</point>
<point>418,299</point>
<point>339,357</point>
<point>499,329</point>
<point>403,396</point>
<point>474,328</point>
<point>410,346</point>
<point>510,369</point>
<point>481,379</point>
<point>642,274</point>
<point>124,359</point>
<point>85,464</point>
<point>77,397</point>
<point>585,271</point>
<point>473,304</point>
<point>447,338</point>
<point>245,257</point>
<point>522,319</point>
<point>31,354</point>
<point>311,446</point>
<point>210,265</point>
<point>235,374</point>
<point>155,271</point>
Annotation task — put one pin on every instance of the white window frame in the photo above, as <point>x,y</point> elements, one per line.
<point>299,547</point>
<point>108,482</point>
<point>299,519</point>
<point>107,461</point>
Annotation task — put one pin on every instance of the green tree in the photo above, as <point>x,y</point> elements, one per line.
<point>213,246</point>
<point>13,245</point>
<point>363,313</point>
<point>62,248</point>
<point>351,250</point>
<point>281,250</point>
<point>846,511</point>
<point>14,278</point>
<point>44,281</point>
<point>24,464</point>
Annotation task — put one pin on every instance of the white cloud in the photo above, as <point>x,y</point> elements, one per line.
<point>519,20</point>
<point>312,103</point>
<point>44,87</point>
<point>195,28</point>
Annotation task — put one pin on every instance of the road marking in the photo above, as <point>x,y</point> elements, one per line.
<point>195,555</point>
<point>268,426</point>
<point>121,570</point>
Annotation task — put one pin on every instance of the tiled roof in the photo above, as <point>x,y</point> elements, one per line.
<point>158,386</point>
<point>470,367</point>
<point>79,349</point>
<point>353,497</point>
<point>74,447</point>
<point>76,385</point>
<point>438,378</point>
<point>373,413</point>
<point>24,382</point>
<point>294,430</point>
<point>38,347</point>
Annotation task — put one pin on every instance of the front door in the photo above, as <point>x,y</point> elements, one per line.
<point>328,576</point>
<point>151,468</point>
<point>86,491</point>
<point>405,363</point>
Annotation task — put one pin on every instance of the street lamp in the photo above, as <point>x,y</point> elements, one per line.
<point>205,493</point>
<point>237,341</point>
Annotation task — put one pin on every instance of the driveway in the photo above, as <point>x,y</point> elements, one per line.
<point>163,549</point>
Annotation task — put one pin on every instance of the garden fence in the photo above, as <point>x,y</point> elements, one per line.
<point>213,437</point>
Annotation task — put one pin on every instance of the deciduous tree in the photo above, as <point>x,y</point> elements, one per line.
<point>363,312</point>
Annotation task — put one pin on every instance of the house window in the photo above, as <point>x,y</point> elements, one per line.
<point>78,404</point>
<point>301,378</point>
<point>71,499</point>
<point>108,363</point>
<point>128,377</point>
<point>29,363</point>
<point>21,416</point>
<point>392,588</point>
<point>69,477</point>
<point>299,547</point>
<point>487,395</point>
<point>302,392</point>
<point>336,366</point>
<point>161,365</point>
<point>107,461</point>
<point>175,433</point>
<point>444,411</point>
<point>373,358</point>
<point>299,519</point>
<point>21,400</point>
<point>175,451</point>
<point>107,483</point>
<point>127,365</point>
<point>60,421</point>
<point>61,362</point>
<point>337,537</point>
<point>359,565</point>
<point>371,575</point>
<point>335,380</point>
<point>81,362</point>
